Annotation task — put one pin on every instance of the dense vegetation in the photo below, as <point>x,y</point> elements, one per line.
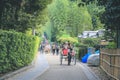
<point>67,16</point>
<point>61,16</point>
<point>55,18</point>
<point>111,19</point>
<point>21,15</point>
<point>16,50</point>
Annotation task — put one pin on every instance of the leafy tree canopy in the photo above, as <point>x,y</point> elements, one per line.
<point>19,14</point>
<point>111,16</point>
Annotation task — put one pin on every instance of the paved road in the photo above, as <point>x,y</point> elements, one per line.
<point>65,72</point>
<point>39,67</point>
<point>47,67</point>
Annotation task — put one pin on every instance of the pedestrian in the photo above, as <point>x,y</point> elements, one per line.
<point>47,48</point>
<point>41,47</point>
<point>57,49</point>
<point>53,48</point>
<point>69,52</point>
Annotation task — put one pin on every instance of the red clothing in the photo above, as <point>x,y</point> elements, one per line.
<point>65,52</point>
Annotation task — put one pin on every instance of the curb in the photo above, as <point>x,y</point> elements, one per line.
<point>8,75</point>
<point>40,73</point>
<point>34,72</point>
<point>91,75</point>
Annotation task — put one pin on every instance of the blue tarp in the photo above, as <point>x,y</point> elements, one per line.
<point>84,58</point>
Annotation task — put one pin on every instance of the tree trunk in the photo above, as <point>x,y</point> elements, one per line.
<point>118,38</point>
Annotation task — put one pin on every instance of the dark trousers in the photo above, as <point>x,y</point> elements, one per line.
<point>69,58</point>
<point>53,51</point>
<point>57,51</point>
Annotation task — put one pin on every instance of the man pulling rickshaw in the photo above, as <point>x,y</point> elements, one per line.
<point>68,53</point>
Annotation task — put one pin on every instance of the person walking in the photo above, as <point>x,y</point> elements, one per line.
<point>57,49</point>
<point>41,48</point>
<point>53,48</point>
<point>69,52</point>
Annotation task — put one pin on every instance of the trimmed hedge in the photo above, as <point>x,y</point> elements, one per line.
<point>16,50</point>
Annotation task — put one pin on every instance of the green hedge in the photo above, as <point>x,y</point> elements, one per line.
<point>16,50</point>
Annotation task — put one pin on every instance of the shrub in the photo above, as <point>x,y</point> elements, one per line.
<point>16,50</point>
<point>111,45</point>
<point>90,42</point>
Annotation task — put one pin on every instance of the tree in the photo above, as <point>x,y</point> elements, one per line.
<point>19,14</point>
<point>111,18</point>
<point>95,12</point>
<point>66,16</point>
<point>102,2</point>
<point>88,1</point>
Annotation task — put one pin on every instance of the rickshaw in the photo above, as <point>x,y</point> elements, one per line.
<point>64,55</point>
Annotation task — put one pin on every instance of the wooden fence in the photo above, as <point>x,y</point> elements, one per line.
<point>110,62</point>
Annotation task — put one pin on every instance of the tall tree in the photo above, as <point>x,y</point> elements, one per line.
<point>67,16</point>
<point>111,18</point>
<point>18,14</point>
<point>95,12</point>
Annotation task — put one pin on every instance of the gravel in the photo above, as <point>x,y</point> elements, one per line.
<point>100,73</point>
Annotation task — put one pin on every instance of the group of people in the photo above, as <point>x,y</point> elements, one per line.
<point>50,48</point>
<point>55,48</point>
<point>45,47</point>
<point>67,50</point>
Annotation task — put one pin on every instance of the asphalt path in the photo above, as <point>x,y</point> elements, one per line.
<point>47,67</point>
<point>65,72</point>
<point>38,68</point>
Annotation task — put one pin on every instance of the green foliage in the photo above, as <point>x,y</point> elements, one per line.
<point>112,13</point>
<point>88,1</point>
<point>65,15</point>
<point>47,29</point>
<point>95,12</point>
<point>66,37</point>
<point>111,45</point>
<point>90,42</point>
<point>111,18</point>
<point>32,6</point>
<point>102,2</point>
<point>16,50</point>
<point>80,45</point>
<point>21,14</point>
<point>109,35</point>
